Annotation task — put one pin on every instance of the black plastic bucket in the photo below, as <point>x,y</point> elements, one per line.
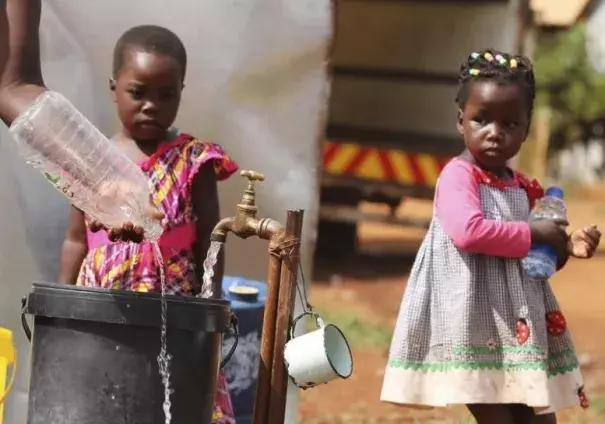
<point>94,356</point>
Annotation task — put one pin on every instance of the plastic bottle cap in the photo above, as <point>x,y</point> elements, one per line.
<point>554,192</point>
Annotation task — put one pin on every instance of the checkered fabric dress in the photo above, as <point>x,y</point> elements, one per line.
<point>473,328</point>
<point>132,266</point>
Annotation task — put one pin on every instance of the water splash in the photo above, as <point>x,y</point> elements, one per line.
<point>164,358</point>
<point>209,263</point>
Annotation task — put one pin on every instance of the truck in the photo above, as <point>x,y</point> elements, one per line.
<point>391,119</point>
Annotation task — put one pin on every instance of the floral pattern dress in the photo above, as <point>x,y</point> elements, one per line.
<point>132,266</point>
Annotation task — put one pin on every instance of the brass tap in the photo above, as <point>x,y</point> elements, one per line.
<point>245,223</point>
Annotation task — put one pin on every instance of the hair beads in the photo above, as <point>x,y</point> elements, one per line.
<point>499,58</point>
<point>499,67</point>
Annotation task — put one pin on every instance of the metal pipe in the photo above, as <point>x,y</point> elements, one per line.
<point>284,246</point>
<point>285,308</point>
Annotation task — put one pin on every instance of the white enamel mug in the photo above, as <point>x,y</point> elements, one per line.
<point>317,357</point>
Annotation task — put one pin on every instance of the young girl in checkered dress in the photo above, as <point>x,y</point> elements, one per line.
<point>473,329</point>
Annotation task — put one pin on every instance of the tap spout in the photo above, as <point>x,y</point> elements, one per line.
<point>221,229</point>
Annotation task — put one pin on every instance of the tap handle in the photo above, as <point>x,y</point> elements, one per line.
<point>252,177</point>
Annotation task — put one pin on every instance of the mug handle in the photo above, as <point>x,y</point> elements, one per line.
<point>318,321</point>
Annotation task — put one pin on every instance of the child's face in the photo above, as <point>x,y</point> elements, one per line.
<point>147,92</point>
<point>494,122</point>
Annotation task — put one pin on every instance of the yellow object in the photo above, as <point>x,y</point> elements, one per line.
<point>8,357</point>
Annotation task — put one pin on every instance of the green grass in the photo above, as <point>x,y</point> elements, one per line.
<point>359,333</point>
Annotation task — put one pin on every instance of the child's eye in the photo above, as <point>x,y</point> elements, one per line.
<point>480,121</point>
<point>136,93</point>
<point>511,124</point>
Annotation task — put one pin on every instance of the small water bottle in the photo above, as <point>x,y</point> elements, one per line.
<point>541,262</point>
<point>80,162</point>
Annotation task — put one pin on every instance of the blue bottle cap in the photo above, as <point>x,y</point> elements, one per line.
<point>554,192</point>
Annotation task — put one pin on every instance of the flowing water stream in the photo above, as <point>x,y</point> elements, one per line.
<point>164,358</point>
<point>209,264</point>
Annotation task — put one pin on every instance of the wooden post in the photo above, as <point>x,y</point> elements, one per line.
<point>263,386</point>
<point>285,308</point>
<point>283,262</point>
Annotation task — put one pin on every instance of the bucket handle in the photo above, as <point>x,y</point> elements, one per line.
<point>24,324</point>
<point>235,332</point>
<point>318,321</point>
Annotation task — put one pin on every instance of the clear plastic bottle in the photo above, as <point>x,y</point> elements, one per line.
<point>55,138</point>
<point>541,262</point>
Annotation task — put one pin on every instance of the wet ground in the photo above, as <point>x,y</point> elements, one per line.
<point>362,295</point>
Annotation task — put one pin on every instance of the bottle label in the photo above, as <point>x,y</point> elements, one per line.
<point>62,186</point>
<point>545,250</point>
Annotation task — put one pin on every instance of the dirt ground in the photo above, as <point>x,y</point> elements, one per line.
<point>362,296</point>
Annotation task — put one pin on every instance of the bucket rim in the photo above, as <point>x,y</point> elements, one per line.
<point>53,300</point>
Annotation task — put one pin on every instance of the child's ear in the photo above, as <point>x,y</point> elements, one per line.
<point>459,125</point>
<point>112,88</point>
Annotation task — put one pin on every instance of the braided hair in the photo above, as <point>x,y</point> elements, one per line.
<point>499,67</point>
<point>150,39</point>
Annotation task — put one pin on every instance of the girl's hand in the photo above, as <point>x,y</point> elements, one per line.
<point>128,231</point>
<point>550,232</point>
<point>584,242</point>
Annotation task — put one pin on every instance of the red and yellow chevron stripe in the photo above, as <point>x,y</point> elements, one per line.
<point>350,159</point>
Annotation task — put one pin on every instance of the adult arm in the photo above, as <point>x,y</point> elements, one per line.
<point>20,71</point>
<point>458,209</point>
<point>21,79</point>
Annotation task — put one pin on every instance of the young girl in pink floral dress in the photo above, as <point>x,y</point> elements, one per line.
<point>148,74</point>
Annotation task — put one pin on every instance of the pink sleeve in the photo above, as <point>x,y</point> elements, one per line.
<point>458,209</point>
<point>201,153</point>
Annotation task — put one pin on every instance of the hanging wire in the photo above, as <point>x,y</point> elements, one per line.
<point>302,293</point>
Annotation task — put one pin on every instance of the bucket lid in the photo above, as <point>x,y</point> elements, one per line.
<point>255,297</point>
<point>128,308</point>
<point>244,293</point>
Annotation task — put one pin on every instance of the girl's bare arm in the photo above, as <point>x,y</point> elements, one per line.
<point>20,71</point>
<point>75,248</point>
